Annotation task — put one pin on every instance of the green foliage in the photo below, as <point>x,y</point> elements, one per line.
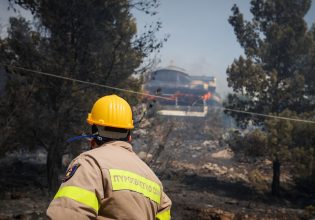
<point>255,143</point>
<point>280,135</point>
<point>252,144</point>
<point>277,71</point>
<point>94,41</point>
<point>276,77</point>
<point>17,115</point>
<point>290,141</point>
<point>293,141</point>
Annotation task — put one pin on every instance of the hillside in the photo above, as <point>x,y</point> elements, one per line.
<point>201,174</point>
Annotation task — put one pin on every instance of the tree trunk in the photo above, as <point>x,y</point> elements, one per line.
<point>53,165</point>
<point>276,177</point>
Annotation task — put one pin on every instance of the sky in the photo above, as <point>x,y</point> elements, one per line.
<point>201,40</point>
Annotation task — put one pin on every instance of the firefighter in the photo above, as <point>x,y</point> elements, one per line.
<point>110,181</point>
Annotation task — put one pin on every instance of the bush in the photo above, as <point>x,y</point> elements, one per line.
<point>253,143</point>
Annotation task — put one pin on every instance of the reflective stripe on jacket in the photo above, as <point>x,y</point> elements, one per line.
<point>110,182</point>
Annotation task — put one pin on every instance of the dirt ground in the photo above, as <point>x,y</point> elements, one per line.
<point>209,197</point>
<point>203,178</point>
<point>196,192</point>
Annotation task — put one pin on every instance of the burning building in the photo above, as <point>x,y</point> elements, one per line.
<point>181,88</point>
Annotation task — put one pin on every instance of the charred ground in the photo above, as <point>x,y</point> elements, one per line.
<point>204,178</point>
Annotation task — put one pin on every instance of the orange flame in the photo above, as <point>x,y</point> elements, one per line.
<point>206,96</point>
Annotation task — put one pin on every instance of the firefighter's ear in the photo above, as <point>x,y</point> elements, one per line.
<point>93,143</point>
<point>129,138</point>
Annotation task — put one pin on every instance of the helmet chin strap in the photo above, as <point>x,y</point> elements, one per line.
<point>89,136</point>
<point>96,140</point>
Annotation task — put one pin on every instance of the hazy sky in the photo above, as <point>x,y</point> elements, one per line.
<point>201,39</point>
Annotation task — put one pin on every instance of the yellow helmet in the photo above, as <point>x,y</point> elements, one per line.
<point>112,111</point>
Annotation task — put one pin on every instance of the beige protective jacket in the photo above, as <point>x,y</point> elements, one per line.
<point>110,182</point>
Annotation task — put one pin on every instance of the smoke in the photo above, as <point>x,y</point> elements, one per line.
<point>205,66</point>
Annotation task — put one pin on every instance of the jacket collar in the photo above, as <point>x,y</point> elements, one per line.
<point>122,144</point>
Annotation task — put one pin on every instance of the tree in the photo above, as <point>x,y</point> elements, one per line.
<point>276,42</point>
<point>277,72</point>
<point>88,40</point>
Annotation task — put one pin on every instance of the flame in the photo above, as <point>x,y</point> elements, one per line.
<point>206,96</point>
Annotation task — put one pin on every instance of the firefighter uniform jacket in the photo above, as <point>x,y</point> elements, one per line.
<point>110,182</point>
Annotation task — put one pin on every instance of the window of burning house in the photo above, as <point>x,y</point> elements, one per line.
<point>170,76</point>
<point>182,79</point>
